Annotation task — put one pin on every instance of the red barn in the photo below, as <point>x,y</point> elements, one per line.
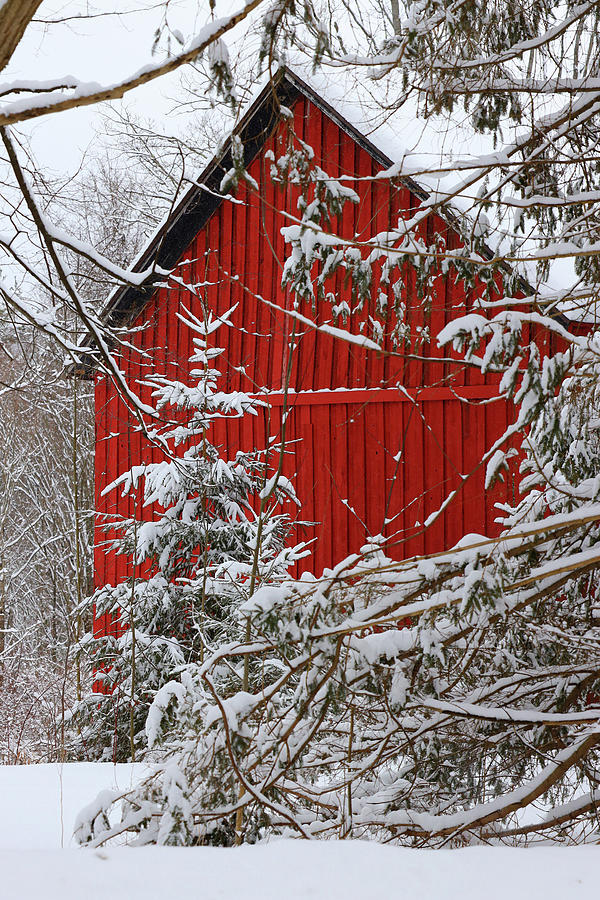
<point>376,441</point>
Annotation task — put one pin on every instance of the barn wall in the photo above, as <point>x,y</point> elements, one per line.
<point>365,458</point>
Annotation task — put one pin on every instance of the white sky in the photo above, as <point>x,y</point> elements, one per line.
<point>102,49</point>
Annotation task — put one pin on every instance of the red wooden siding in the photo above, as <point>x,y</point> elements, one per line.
<point>359,450</point>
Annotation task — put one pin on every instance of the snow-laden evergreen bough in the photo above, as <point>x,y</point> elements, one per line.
<point>216,535</point>
<point>422,701</point>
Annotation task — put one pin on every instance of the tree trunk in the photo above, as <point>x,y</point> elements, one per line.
<point>396,16</point>
<point>15,16</point>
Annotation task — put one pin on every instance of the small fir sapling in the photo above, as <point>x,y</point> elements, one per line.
<point>217,532</point>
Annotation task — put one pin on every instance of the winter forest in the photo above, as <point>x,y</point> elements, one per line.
<point>432,679</point>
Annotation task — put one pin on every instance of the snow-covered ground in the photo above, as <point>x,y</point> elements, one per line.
<point>39,804</point>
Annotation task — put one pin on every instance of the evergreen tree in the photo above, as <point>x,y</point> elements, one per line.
<point>216,537</point>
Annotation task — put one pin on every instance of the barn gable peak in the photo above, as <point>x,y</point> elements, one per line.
<point>200,202</point>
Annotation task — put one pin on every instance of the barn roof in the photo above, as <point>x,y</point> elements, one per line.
<point>200,201</point>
